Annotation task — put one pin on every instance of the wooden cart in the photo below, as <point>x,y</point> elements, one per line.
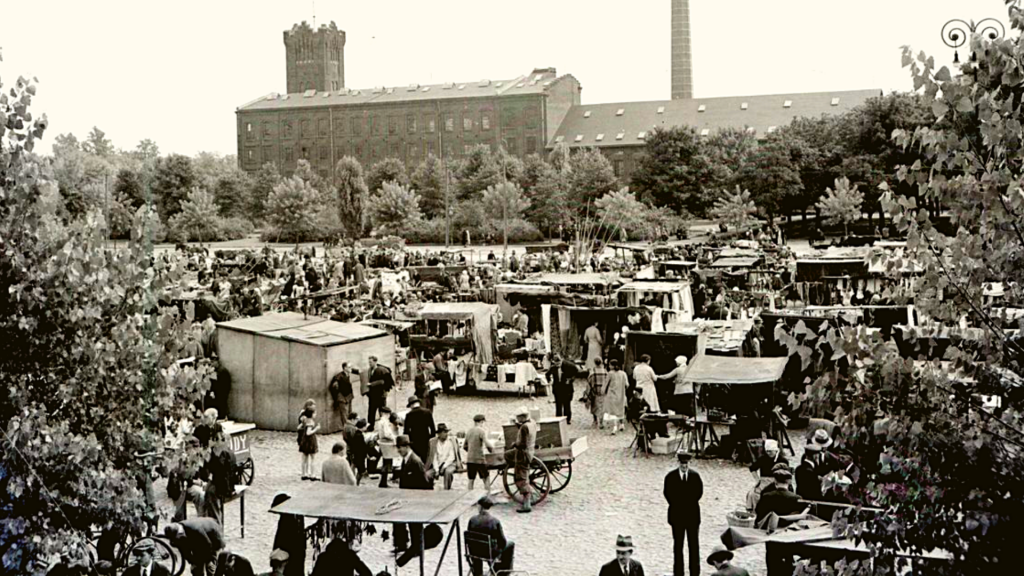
<point>551,468</point>
<point>238,435</point>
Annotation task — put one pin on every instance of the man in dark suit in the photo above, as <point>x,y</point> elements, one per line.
<point>412,476</point>
<point>683,491</point>
<point>778,499</point>
<point>501,547</point>
<point>353,435</point>
<point>199,540</point>
<point>144,564</point>
<point>419,427</point>
<point>380,383</point>
<point>341,393</point>
<point>623,565</point>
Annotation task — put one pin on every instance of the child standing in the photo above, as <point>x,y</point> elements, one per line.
<point>308,445</point>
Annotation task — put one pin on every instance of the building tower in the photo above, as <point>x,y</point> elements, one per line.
<point>315,59</point>
<point>682,60</point>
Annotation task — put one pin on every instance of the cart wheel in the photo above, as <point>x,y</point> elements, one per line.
<point>540,481</point>
<point>561,473</point>
<point>246,472</point>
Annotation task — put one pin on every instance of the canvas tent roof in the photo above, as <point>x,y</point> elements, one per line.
<point>735,262</point>
<point>732,370</point>
<point>455,310</point>
<point>591,278</point>
<point>653,287</point>
<point>362,503</point>
<point>298,328</point>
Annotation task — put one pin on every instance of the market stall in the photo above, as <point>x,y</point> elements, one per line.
<point>279,360</point>
<point>348,512</point>
<point>658,295</point>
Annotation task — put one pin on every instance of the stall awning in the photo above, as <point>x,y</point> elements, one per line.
<point>737,262</point>
<point>654,287</point>
<point>730,370</point>
<point>309,330</point>
<point>455,310</point>
<point>364,503</point>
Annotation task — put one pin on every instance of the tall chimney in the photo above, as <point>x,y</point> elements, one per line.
<point>682,62</point>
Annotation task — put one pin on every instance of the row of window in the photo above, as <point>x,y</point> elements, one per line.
<point>375,125</point>
<point>371,151</point>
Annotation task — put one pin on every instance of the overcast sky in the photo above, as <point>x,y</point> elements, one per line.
<point>174,72</point>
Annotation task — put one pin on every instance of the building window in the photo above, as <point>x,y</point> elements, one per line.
<point>305,129</point>
<point>412,149</point>
<point>532,117</point>
<point>304,153</point>
<point>325,153</point>
<point>357,126</point>
<point>485,122</point>
<point>449,124</point>
<point>325,127</point>
<point>531,145</point>
<point>289,129</point>
<point>289,154</point>
<point>359,152</point>
<point>339,152</point>
<point>410,123</point>
<point>323,173</point>
<point>248,131</point>
<point>429,122</point>
<point>430,148</point>
<point>339,126</point>
<point>395,150</point>
<point>467,123</point>
<point>617,166</point>
<point>393,125</point>
<point>268,154</point>
<point>266,129</point>
<point>250,155</point>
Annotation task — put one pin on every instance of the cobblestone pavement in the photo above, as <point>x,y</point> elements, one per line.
<point>571,533</point>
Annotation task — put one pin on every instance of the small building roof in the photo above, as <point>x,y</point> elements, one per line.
<point>762,114</point>
<point>738,262</point>
<point>733,370</point>
<point>649,286</point>
<point>309,330</point>
<point>456,309</point>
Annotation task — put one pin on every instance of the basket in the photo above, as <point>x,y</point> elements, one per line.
<point>740,519</point>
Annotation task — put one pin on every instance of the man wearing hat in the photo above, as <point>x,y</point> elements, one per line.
<point>521,454</point>
<point>144,564</point>
<point>808,481</point>
<point>824,460</point>
<point>486,525</point>
<point>199,540</point>
<point>278,563</point>
<point>412,476</point>
<point>720,558</point>
<point>477,447</point>
<point>623,565</point>
<point>444,458</point>
<point>778,499</point>
<point>683,491</point>
<point>419,427</point>
<point>380,382</point>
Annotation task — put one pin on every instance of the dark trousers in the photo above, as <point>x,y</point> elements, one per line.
<point>375,402</point>
<point>385,468</point>
<point>563,404</point>
<point>690,534</point>
<point>504,562</point>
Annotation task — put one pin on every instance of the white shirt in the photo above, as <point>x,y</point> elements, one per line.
<point>445,454</point>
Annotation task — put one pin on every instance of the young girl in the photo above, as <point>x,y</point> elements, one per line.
<point>308,445</point>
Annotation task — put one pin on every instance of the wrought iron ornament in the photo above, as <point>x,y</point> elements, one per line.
<point>956,32</point>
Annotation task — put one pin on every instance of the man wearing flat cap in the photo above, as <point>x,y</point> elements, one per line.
<point>623,565</point>
<point>199,540</point>
<point>501,547</point>
<point>144,564</point>
<point>683,491</point>
<point>520,455</point>
<point>419,427</point>
<point>778,499</point>
<point>444,457</point>
<point>278,563</point>
<point>477,447</point>
<point>720,558</point>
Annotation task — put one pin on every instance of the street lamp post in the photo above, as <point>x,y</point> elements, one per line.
<point>956,33</point>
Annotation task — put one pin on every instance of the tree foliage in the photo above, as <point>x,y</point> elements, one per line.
<point>173,178</point>
<point>386,170</point>
<point>393,208</point>
<point>429,180</point>
<point>622,210</point>
<point>505,201</point>
<point>947,472</point>
<point>734,209</point>
<point>293,209</point>
<point>841,205</point>
<point>772,177</point>
<point>590,176</point>
<point>476,172</point>
<point>98,144</point>
<point>352,195</point>
<point>677,171</point>
<point>197,220</point>
<point>261,185</point>
<point>544,187</point>
<point>88,371</point>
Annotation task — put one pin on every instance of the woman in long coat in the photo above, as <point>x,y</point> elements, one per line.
<point>615,395</point>
<point>595,344</point>
<point>597,384</point>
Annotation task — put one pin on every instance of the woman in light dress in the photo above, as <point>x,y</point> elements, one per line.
<point>615,395</point>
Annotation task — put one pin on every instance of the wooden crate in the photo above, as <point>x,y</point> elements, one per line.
<point>551,433</point>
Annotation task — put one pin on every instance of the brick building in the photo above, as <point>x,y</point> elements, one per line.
<point>406,122</point>
<point>314,59</point>
<point>618,129</point>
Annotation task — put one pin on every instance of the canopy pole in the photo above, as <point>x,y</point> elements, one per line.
<point>444,550</point>
<point>458,541</point>
<point>422,550</point>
